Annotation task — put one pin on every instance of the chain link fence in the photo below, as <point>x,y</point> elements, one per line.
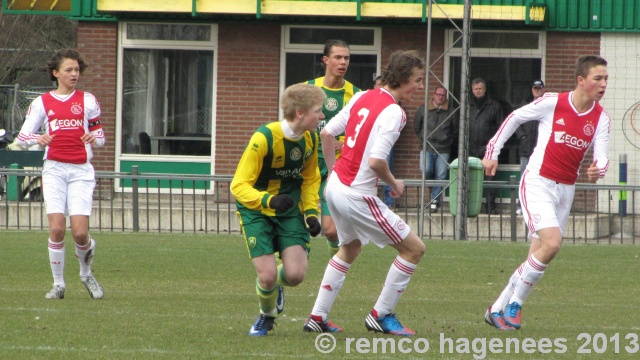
<point>14,103</point>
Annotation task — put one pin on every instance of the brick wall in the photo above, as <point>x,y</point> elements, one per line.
<point>97,43</point>
<point>563,48</point>
<point>247,87</point>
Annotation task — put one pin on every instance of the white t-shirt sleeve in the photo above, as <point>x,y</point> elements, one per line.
<point>91,106</point>
<point>388,127</point>
<point>92,114</point>
<point>534,111</point>
<point>601,143</point>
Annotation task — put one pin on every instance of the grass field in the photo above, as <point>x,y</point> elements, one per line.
<point>192,296</point>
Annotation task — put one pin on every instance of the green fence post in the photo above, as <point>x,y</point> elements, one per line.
<point>14,185</point>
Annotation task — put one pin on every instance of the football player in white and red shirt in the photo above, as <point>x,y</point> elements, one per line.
<point>372,122</point>
<point>71,119</point>
<point>569,125</point>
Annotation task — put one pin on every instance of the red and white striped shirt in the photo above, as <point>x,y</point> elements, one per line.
<point>67,119</point>
<point>371,122</point>
<point>564,136</point>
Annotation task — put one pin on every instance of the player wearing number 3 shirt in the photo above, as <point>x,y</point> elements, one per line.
<point>71,120</point>
<point>569,125</point>
<point>372,122</point>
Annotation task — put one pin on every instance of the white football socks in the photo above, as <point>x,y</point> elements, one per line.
<point>84,253</point>
<point>532,272</point>
<point>396,283</point>
<point>330,286</point>
<point>506,294</point>
<point>56,260</point>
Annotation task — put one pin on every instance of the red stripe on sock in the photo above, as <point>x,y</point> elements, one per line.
<point>339,267</point>
<point>56,246</point>
<point>535,265</point>
<point>83,247</point>
<point>402,267</point>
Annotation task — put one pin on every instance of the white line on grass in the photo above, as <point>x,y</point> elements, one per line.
<point>149,351</point>
<point>28,309</point>
<point>104,349</point>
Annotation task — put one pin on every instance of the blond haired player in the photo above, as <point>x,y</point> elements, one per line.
<point>276,190</point>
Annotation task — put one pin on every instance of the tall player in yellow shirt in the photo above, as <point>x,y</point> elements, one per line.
<point>336,57</point>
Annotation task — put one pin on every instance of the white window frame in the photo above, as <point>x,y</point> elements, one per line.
<point>124,43</point>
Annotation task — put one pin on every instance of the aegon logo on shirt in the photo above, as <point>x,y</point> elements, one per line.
<point>571,141</point>
<point>66,124</point>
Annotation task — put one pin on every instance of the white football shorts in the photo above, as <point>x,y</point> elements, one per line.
<point>362,216</point>
<point>545,203</point>
<point>68,188</point>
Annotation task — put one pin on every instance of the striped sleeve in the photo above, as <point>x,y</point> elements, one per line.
<point>33,121</point>
<point>531,112</point>
<point>249,168</point>
<point>311,179</point>
<point>92,114</point>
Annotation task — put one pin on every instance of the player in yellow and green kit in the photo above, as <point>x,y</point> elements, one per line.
<point>276,188</point>
<point>336,57</point>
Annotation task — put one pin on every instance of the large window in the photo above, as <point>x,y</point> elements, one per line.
<point>166,102</point>
<point>507,61</point>
<point>303,46</point>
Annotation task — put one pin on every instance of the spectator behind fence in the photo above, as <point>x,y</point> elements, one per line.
<point>442,131</point>
<point>485,116</point>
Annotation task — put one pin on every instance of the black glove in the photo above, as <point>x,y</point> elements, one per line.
<point>314,226</point>
<point>281,202</point>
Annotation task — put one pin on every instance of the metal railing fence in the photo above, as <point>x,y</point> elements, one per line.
<point>149,202</point>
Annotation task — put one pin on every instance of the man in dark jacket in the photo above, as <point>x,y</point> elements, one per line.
<point>485,117</point>
<point>441,133</point>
